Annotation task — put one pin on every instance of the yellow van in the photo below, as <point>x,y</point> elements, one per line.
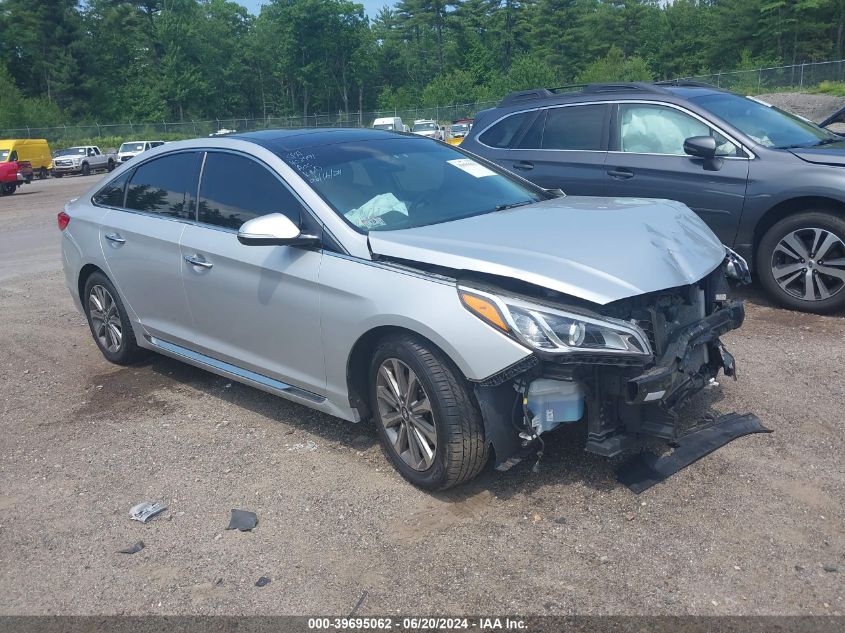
<point>34,150</point>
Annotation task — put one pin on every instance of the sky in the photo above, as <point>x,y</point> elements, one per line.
<point>371,7</point>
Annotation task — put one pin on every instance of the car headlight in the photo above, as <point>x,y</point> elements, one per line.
<point>557,331</point>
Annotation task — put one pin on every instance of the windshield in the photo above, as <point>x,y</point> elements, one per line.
<point>383,126</point>
<point>388,184</point>
<point>71,151</point>
<point>132,147</point>
<point>460,127</point>
<point>765,124</point>
<point>424,127</point>
<point>4,155</point>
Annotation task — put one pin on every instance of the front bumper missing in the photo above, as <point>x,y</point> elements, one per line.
<point>647,469</point>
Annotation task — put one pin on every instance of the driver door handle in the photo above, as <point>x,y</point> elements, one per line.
<point>524,165</point>
<point>620,174</point>
<point>115,237</point>
<point>194,260</point>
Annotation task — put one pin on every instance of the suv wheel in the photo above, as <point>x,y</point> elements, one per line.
<point>430,427</point>
<point>86,169</point>
<point>801,262</point>
<point>109,322</point>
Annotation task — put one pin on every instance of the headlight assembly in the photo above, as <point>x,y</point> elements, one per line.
<point>552,330</point>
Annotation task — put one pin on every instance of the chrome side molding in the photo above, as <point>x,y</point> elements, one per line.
<point>233,371</point>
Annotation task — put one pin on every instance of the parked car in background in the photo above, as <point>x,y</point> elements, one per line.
<point>771,185</point>
<point>13,172</point>
<point>130,149</point>
<point>83,160</point>
<point>34,151</point>
<point>458,130</point>
<point>428,128</point>
<point>392,123</point>
<point>368,274</point>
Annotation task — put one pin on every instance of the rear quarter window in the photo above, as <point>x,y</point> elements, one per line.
<point>113,193</point>
<point>506,131</point>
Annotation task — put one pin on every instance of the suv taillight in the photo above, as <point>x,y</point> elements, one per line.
<point>64,220</point>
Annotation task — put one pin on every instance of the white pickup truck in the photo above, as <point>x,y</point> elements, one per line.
<point>82,160</point>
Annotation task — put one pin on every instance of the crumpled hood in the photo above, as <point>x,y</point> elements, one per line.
<point>597,249</point>
<point>830,155</point>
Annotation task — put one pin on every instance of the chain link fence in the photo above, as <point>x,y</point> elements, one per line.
<point>759,81</point>
<point>777,78</point>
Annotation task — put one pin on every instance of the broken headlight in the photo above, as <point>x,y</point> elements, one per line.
<point>549,329</point>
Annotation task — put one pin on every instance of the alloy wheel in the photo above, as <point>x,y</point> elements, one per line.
<point>405,412</point>
<point>105,319</point>
<point>809,264</point>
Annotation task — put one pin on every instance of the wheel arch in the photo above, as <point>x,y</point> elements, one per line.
<point>84,273</point>
<point>785,208</point>
<point>358,363</point>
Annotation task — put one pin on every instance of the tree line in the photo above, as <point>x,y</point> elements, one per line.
<point>65,61</point>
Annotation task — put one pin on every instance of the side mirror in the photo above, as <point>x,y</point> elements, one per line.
<point>701,147</point>
<point>274,229</point>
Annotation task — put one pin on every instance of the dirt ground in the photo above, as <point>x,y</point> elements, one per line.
<point>816,107</point>
<point>755,528</point>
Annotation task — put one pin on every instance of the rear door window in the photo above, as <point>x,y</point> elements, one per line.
<point>575,128</point>
<point>235,189</point>
<point>112,194</point>
<point>164,186</point>
<point>505,132</point>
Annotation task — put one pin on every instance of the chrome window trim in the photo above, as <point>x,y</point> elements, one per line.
<point>740,145</point>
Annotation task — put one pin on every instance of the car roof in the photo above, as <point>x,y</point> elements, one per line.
<point>608,91</point>
<point>287,140</point>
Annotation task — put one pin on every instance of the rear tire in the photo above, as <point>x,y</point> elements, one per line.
<point>8,188</point>
<point>439,412</point>
<point>111,165</point>
<point>109,322</point>
<point>42,174</point>
<point>801,262</point>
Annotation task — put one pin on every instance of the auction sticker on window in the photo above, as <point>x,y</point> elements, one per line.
<point>471,167</point>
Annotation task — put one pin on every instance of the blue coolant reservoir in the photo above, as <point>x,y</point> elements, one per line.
<point>553,402</point>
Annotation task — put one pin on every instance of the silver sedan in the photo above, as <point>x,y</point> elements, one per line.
<point>376,275</point>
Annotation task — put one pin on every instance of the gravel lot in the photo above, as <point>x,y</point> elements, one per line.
<point>755,528</point>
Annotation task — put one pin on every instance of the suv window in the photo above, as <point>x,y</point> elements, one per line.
<point>162,185</point>
<point>235,189</point>
<point>503,133</point>
<point>571,127</point>
<point>112,194</point>
<point>654,129</point>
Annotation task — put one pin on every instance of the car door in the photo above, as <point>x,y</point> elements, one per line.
<point>647,160</point>
<point>140,242</point>
<point>565,148</point>
<point>256,307</point>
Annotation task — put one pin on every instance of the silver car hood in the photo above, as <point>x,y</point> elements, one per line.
<point>597,249</point>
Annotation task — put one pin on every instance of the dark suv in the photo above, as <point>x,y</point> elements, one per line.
<point>771,185</point>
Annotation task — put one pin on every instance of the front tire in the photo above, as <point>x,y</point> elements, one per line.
<point>429,424</point>
<point>86,169</point>
<point>801,262</point>
<point>108,321</point>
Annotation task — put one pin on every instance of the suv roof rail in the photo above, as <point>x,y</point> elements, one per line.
<point>522,96</point>
<point>686,83</point>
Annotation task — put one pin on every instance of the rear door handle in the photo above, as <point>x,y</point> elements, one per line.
<point>524,165</point>
<point>620,174</point>
<point>115,237</point>
<point>194,260</point>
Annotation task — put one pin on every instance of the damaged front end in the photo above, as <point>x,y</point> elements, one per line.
<point>627,366</point>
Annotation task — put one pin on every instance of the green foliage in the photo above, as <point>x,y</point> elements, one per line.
<point>615,67</point>
<point>835,88</point>
<point>72,61</point>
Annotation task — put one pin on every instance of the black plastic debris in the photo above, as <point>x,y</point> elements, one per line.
<point>134,549</point>
<point>261,582</point>
<point>358,604</point>
<point>242,520</point>
<point>145,511</point>
<point>644,470</point>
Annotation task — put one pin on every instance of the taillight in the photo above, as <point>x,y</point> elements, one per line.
<point>64,220</point>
